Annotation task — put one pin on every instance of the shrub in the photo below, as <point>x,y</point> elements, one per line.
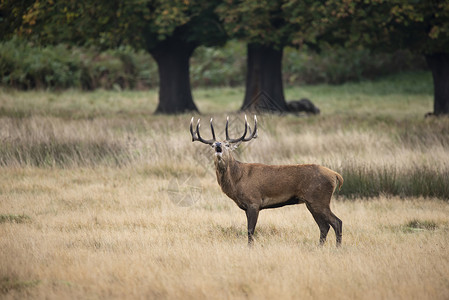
<point>339,65</point>
<point>25,66</point>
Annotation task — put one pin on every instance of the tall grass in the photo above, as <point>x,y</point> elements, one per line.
<point>372,162</point>
<point>417,180</point>
<point>43,142</point>
<point>379,152</point>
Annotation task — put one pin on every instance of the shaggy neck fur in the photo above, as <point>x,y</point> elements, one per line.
<point>228,173</point>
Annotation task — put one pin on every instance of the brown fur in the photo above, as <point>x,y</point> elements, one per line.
<point>254,187</point>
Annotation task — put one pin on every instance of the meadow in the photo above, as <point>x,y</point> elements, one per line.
<point>99,198</point>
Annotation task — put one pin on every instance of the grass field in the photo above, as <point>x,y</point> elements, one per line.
<point>101,199</point>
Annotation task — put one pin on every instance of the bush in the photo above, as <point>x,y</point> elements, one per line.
<point>25,66</point>
<point>338,65</point>
<point>219,66</point>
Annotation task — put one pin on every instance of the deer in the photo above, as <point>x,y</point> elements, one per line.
<point>255,186</point>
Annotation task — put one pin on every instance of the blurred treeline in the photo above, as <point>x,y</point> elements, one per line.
<point>27,66</point>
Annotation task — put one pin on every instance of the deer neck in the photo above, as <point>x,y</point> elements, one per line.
<point>228,172</point>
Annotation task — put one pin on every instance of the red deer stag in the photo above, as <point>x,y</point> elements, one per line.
<point>254,186</point>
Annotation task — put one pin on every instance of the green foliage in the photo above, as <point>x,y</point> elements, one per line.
<point>219,67</point>
<point>274,22</point>
<point>254,21</point>
<point>418,25</point>
<point>25,66</point>
<point>268,22</point>
<point>338,65</point>
<point>142,24</point>
<point>309,20</point>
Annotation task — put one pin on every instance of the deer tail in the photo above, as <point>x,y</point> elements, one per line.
<point>340,180</point>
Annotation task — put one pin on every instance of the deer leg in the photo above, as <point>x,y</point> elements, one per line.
<point>324,227</point>
<point>336,224</point>
<point>322,224</point>
<point>252,214</point>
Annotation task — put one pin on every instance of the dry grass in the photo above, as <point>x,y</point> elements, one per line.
<point>102,233</point>
<point>100,199</point>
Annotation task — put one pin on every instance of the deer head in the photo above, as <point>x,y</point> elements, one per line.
<point>224,148</point>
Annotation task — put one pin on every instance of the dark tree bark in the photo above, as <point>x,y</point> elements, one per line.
<point>264,89</point>
<point>173,59</point>
<point>439,65</point>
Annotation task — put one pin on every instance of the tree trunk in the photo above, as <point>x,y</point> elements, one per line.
<point>439,65</point>
<point>264,89</point>
<point>172,57</point>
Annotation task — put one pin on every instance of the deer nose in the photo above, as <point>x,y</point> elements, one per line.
<point>218,148</point>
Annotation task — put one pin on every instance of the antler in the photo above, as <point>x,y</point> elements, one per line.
<point>254,134</point>
<point>242,138</point>
<point>197,133</point>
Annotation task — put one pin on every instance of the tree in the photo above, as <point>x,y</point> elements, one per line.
<point>419,25</point>
<point>169,30</point>
<point>267,28</point>
<point>261,25</point>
